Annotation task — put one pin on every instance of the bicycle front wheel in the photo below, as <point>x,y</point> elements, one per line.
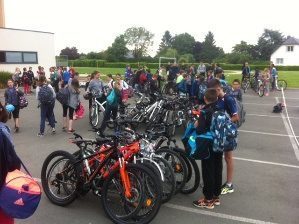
<point>261,90</point>
<point>281,84</point>
<point>94,116</point>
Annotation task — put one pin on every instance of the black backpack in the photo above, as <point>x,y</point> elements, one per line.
<point>278,108</point>
<point>45,95</point>
<point>62,96</point>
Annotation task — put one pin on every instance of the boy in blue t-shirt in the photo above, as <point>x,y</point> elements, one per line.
<point>228,104</point>
<point>237,93</point>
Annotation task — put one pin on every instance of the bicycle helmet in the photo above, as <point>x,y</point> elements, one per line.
<point>10,108</point>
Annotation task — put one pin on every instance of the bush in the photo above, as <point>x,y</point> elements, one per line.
<point>4,76</point>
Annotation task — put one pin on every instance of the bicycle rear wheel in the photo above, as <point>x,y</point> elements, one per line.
<point>60,178</point>
<point>94,116</point>
<point>281,84</point>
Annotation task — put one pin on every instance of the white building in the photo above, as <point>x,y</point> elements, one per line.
<point>26,48</point>
<point>287,53</point>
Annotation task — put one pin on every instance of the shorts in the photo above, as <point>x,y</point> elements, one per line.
<point>16,112</point>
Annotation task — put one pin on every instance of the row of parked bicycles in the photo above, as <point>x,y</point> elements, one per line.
<point>259,85</point>
<point>135,169</point>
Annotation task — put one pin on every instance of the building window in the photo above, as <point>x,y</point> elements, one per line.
<point>290,48</point>
<point>279,61</point>
<point>18,57</point>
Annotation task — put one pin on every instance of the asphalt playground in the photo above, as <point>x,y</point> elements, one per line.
<point>266,175</point>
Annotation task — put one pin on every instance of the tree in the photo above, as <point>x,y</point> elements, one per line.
<point>268,42</point>
<point>118,50</point>
<point>209,49</point>
<point>169,53</point>
<point>72,53</point>
<point>183,43</point>
<point>186,58</point>
<point>138,40</point>
<point>197,50</point>
<point>165,42</point>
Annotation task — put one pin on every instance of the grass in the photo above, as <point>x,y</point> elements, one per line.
<point>291,77</point>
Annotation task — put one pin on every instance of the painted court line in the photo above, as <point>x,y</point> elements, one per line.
<point>288,98</point>
<point>217,215</point>
<point>290,130</point>
<point>266,104</point>
<point>266,162</point>
<point>268,133</point>
<point>265,115</point>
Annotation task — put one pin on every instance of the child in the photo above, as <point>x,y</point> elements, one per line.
<point>237,93</point>
<point>212,166</point>
<point>266,80</point>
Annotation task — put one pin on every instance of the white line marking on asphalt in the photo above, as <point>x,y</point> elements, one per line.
<point>268,133</point>
<point>267,104</point>
<point>217,215</point>
<point>289,98</point>
<point>265,115</point>
<point>289,129</point>
<point>266,162</point>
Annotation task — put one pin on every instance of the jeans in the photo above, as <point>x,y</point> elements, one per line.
<point>46,112</point>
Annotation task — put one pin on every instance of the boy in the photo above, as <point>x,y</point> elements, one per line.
<point>226,103</point>
<point>237,93</point>
<point>211,167</point>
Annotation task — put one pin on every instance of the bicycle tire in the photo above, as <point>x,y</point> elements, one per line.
<point>93,116</point>
<point>45,177</point>
<point>135,217</point>
<point>261,90</point>
<point>281,84</point>
<point>193,177</point>
<point>178,165</point>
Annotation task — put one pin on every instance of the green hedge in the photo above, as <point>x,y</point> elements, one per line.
<point>105,64</point>
<point>4,76</point>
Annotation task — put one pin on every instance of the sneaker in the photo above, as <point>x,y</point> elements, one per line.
<point>203,203</point>
<point>216,201</point>
<point>40,135</point>
<point>225,189</point>
<point>64,129</point>
<point>53,131</point>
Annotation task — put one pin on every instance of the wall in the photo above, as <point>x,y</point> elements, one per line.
<point>289,58</point>
<point>25,40</point>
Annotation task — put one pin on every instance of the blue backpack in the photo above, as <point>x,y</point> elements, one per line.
<point>45,95</point>
<point>182,86</point>
<point>224,132</point>
<point>112,98</point>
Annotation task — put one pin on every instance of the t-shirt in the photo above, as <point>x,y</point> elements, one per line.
<point>228,104</point>
<point>179,79</point>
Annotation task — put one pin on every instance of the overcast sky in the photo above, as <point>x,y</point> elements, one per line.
<point>92,25</point>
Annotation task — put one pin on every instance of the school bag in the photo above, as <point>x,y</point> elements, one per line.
<point>241,112</point>
<point>80,111</point>
<point>23,102</point>
<point>45,95</point>
<point>62,96</point>
<point>142,78</point>
<point>112,98</point>
<point>278,108</point>
<point>20,194</point>
<point>224,132</point>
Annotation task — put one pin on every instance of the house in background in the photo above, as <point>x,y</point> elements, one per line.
<point>24,48</point>
<point>288,53</point>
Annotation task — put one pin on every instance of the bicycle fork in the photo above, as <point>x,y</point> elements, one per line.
<point>125,177</point>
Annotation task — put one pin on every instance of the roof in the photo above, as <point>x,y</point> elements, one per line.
<point>291,41</point>
<point>36,31</point>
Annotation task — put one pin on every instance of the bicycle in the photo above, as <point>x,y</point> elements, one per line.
<point>279,84</point>
<point>96,109</point>
<point>245,83</point>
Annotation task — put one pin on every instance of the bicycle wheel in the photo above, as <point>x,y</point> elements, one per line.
<point>145,202</point>
<point>177,164</point>
<point>261,90</point>
<point>281,84</point>
<point>60,178</point>
<point>193,176</point>
<point>94,116</point>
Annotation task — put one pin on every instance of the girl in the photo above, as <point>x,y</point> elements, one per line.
<point>123,88</point>
<point>266,80</point>
<point>73,103</point>
<point>12,94</point>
